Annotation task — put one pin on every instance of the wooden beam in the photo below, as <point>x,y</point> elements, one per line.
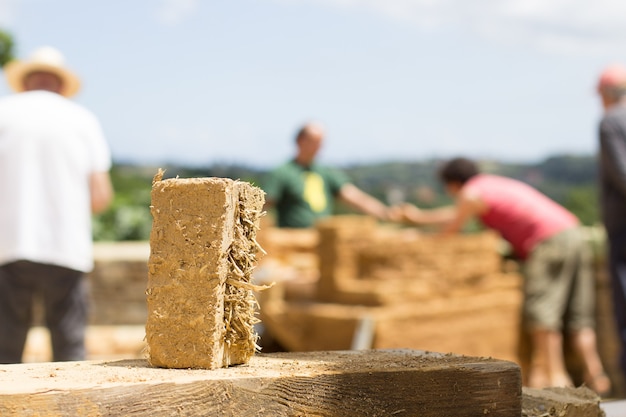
<point>333,384</point>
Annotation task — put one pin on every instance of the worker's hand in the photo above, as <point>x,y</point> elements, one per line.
<point>402,212</point>
<point>383,214</point>
<point>394,214</point>
<point>411,213</point>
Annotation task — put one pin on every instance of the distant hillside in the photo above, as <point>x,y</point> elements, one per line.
<point>568,179</point>
<point>563,170</point>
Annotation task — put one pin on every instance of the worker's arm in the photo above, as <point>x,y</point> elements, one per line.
<point>466,207</point>
<point>101,191</point>
<point>451,219</point>
<point>438,216</point>
<point>363,202</point>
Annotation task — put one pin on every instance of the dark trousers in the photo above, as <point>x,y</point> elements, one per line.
<point>617,270</point>
<point>65,302</point>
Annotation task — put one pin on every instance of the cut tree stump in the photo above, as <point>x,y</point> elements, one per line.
<point>339,383</point>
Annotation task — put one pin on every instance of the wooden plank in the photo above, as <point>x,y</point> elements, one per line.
<point>333,384</point>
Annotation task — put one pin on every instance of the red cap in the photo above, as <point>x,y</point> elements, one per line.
<point>612,76</point>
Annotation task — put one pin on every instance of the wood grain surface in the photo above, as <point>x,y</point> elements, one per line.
<point>340,383</point>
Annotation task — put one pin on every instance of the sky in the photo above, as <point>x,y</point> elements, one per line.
<point>201,82</point>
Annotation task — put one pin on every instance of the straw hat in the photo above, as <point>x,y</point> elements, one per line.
<point>45,59</point>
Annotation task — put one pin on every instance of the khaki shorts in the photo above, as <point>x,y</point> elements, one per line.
<point>559,286</point>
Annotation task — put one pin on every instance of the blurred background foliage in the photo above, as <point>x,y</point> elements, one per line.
<point>7,47</point>
<point>568,179</point>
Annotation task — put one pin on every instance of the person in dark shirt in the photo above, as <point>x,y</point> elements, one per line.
<point>612,173</point>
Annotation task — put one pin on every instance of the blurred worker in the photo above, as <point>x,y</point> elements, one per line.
<point>558,281</point>
<point>612,160</point>
<point>303,191</point>
<point>54,165</point>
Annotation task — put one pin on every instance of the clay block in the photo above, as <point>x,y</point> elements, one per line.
<point>200,301</point>
<point>479,324</point>
<point>340,238</point>
<point>428,258</point>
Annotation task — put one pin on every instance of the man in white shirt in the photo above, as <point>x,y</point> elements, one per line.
<point>54,173</point>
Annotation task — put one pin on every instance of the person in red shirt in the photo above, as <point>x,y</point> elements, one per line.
<point>556,264</point>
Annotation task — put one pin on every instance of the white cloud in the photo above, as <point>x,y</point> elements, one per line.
<point>566,26</point>
<point>173,12</point>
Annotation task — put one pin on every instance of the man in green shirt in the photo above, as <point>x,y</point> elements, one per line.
<point>303,191</point>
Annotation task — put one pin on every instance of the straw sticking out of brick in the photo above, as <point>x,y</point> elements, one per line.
<point>240,303</point>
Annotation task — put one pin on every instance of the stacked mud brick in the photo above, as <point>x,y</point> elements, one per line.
<point>340,240</point>
<point>405,290</point>
<point>200,299</point>
<point>118,283</point>
<point>292,257</point>
<point>439,264</point>
<point>359,264</point>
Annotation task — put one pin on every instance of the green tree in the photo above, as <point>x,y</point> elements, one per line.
<point>6,47</point>
<point>583,202</point>
<point>569,180</point>
<point>129,216</point>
